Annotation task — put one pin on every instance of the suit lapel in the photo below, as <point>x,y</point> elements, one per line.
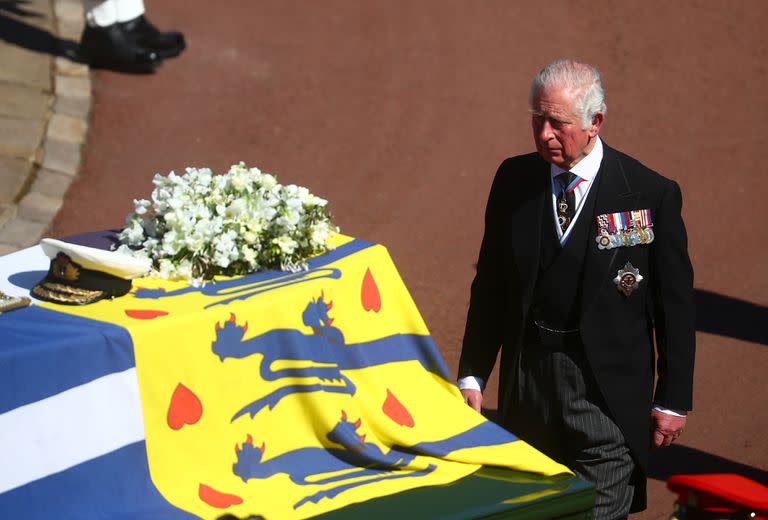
<point>526,227</point>
<point>614,194</point>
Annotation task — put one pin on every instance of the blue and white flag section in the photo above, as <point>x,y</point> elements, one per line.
<point>71,430</point>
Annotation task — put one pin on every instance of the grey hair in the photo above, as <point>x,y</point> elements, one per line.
<point>573,75</point>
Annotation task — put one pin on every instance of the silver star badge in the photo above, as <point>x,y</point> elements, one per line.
<point>628,279</point>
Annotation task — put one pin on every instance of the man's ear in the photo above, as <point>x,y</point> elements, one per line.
<point>597,121</point>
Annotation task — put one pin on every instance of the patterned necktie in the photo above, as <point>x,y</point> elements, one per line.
<point>566,202</point>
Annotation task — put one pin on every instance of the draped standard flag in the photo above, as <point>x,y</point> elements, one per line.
<point>280,394</point>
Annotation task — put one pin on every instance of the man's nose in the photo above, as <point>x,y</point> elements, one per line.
<point>544,131</point>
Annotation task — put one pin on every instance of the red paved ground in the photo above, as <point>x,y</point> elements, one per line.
<point>399,112</point>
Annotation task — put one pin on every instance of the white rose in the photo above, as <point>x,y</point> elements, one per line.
<point>286,244</point>
<point>194,242</point>
<point>268,214</point>
<point>268,181</point>
<point>303,194</point>
<point>295,204</point>
<point>165,268</point>
<point>320,233</point>
<point>221,259</point>
<point>171,219</point>
<point>134,233</point>
<point>249,255</point>
<point>141,205</point>
<point>240,182</point>
<point>288,221</point>
<point>236,207</point>
<point>183,269</point>
<point>171,243</point>
<point>312,200</point>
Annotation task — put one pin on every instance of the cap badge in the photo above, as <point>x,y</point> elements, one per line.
<point>64,268</point>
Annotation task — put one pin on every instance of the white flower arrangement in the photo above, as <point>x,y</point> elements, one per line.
<point>200,225</point>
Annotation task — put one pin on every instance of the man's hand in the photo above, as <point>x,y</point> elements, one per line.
<point>473,398</point>
<point>666,428</point>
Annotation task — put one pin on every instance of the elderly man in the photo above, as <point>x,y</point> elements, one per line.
<point>584,255</point>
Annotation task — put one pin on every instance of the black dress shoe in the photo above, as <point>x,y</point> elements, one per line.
<point>109,48</point>
<point>142,32</point>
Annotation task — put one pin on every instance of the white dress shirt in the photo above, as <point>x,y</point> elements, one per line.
<point>587,170</point>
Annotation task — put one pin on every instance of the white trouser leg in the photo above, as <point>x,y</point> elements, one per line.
<point>129,9</point>
<point>100,13</point>
<point>103,13</point>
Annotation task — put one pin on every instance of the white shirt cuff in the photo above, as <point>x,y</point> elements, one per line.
<point>661,409</point>
<point>471,383</point>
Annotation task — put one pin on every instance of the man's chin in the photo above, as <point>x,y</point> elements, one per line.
<point>551,157</point>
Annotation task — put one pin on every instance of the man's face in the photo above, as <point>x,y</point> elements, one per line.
<point>557,130</point>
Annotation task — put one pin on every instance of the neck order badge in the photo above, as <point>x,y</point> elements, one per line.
<point>566,202</point>
<point>289,395</point>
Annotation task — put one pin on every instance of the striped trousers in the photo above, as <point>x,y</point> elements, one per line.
<point>557,407</point>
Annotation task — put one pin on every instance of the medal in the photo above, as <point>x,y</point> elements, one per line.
<point>624,235</point>
<point>628,279</point>
<point>624,229</point>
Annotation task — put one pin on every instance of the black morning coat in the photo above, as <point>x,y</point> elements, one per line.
<point>617,331</point>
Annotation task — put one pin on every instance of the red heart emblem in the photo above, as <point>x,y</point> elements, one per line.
<point>369,293</point>
<point>144,314</point>
<point>395,410</point>
<point>216,498</point>
<point>185,408</point>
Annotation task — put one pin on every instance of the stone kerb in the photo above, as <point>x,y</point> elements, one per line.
<point>43,171</point>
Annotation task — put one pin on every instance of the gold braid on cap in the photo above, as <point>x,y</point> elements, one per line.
<point>65,293</point>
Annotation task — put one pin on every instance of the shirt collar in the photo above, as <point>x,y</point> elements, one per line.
<point>587,167</point>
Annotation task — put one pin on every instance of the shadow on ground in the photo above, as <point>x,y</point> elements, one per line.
<point>728,316</point>
<point>679,459</point>
<point>16,32</point>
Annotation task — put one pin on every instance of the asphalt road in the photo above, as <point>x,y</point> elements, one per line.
<point>399,112</point>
